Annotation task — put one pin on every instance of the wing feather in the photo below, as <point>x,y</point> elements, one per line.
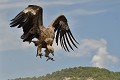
<point>72,40</point>
<point>68,42</point>
<point>73,37</point>
<point>65,44</point>
<point>63,32</point>
<point>61,42</point>
<point>57,35</point>
<point>29,20</point>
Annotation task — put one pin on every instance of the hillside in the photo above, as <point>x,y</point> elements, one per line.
<point>79,73</point>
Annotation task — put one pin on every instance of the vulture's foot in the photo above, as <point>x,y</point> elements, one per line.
<point>52,54</point>
<point>39,55</point>
<point>47,52</point>
<point>50,58</point>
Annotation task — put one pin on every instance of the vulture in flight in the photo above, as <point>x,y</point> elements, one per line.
<point>31,21</point>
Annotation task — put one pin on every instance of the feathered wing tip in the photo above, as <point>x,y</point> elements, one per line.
<point>63,33</point>
<point>29,20</point>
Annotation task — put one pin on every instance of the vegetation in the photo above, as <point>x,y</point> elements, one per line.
<point>79,73</point>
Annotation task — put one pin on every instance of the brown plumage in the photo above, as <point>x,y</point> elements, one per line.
<point>31,21</point>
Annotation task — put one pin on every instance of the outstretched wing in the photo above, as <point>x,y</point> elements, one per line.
<point>63,33</point>
<point>29,20</point>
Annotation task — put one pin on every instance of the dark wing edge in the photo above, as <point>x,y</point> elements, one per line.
<point>63,33</point>
<point>28,19</point>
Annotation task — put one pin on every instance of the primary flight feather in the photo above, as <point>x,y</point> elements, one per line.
<point>31,21</point>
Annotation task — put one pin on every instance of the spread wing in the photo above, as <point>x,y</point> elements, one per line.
<point>63,33</point>
<point>29,20</point>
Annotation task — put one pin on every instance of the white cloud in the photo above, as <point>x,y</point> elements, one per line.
<point>88,46</point>
<point>103,58</point>
<point>98,48</point>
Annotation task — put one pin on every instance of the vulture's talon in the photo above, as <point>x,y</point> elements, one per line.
<point>39,55</point>
<point>50,58</point>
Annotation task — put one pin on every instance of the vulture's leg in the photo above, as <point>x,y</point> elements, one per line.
<point>49,47</point>
<point>47,55</point>
<point>39,48</point>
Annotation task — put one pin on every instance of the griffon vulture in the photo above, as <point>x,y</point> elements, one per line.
<point>31,21</point>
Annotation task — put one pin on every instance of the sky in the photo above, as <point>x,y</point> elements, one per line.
<point>94,23</point>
